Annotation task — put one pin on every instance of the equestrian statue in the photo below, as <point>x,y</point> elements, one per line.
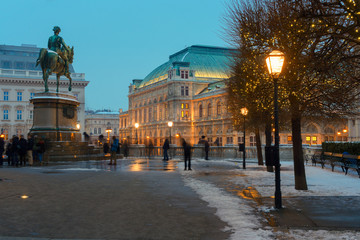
<point>55,59</point>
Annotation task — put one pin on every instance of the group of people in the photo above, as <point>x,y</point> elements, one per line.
<point>21,151</point>
<point>187,151</point>
<point>115,148</point>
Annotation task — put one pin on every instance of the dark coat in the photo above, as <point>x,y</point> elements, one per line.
<point>23,146</point>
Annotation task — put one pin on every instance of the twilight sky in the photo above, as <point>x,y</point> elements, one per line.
<point>115,41</point>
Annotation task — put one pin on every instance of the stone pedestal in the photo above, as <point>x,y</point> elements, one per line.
<point>55,116</point>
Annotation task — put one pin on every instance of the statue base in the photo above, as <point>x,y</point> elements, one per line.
<point>55,117</point>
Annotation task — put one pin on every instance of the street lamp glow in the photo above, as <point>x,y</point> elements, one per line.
<point>170,124</point>
<point>275,62</point>
<point>244,111</point>
<point>78,126</point>
<point>345,130</point>
<point>136,125</point>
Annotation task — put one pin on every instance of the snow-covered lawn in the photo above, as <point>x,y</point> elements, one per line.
<point>240,216</point>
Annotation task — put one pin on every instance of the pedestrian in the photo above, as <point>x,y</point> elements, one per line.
<point>29,152</point>
<point>126,149</point>
<point>8,152</point>
<point>36,149</point>
<point>22,150</point>
<point>106,148</point>
<point>187,155</point>
<point>150,149</point>
<point>2,149</point>
<point>114,147</point>
<point>217,142</point>
<point>206,147</point>
<point>41,150</point>
<point>166,147</point>
<point>15,151</point>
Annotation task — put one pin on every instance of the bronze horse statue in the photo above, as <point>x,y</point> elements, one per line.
<point>51,62</point>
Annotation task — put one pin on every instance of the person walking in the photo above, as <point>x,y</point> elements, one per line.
<point>206,147</point>
<point>166,147</point>
<point>22,150</point>
<point>2,149</point>
<point>8,152</point>
<point>15,151</point>
<point>41,150</point>
<point>29,152</point>
<point>187,155</point>
<point>114,147</point>
<point>126,148</point>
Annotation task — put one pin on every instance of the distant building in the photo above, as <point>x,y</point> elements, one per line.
<point>96,123</point>
<point>20,80</point>
<point>189,90</point>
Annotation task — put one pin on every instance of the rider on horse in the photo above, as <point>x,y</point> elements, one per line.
<point>57,44</point>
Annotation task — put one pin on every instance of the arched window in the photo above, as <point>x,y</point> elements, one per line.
<point>209,110</point>
<point>99,130</point>
<point>200,110</point>
<point>218,108</point>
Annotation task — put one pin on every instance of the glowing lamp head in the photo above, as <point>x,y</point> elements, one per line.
<point>108,130</point>
<point>244,111</point>
<point>78,126</point>
<point>275,62</point>
<point>136,125</point>
<point>345,131</point>
<point>170,124</point>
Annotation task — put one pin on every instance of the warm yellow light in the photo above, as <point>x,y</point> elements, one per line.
<point>24,197</point>
<point>338,133</point>
<point>147,137</point>
<point>136,125</point>
<point>2,136</point>
<point>108,130</point>
<point>275,62</point>
<point>78,126</point>
<point>170,124</point>
<point>244,111</point>
<point>345,130</point>
<point>177,135</point>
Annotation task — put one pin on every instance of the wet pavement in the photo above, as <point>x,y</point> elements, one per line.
<point>145,199</point>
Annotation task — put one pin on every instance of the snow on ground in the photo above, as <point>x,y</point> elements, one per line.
<point>239,215</point>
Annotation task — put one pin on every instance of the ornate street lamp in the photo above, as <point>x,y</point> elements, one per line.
<point>275,62</point>
<point>170,124</point>
<point>244,112</point>
<point>136,127</point>
<point>108,131</point>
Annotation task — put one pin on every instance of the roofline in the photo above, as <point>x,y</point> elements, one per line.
<point>201,46</point>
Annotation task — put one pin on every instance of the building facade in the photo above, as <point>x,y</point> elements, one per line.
<point>97,122</point>
<point>190,91</point>
<point>20,79</point>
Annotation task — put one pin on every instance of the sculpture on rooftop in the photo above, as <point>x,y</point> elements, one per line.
<point>55,59</point>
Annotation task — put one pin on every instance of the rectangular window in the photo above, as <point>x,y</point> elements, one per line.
<point>182,106</point>
<point>240,139</point>
<point>6,115</point>
<point>186,105</point>
<point>19,115</point>
<point>252,141</point>
<point>19,96</point>
<point>289,139</point>
<point>187,114</point>
<point>144,114</point>
<point>182,114</point>
<point>6,96</point>
<point>32,95</point>
<point>150,114</point>
<point>308,139</point>
<point>314,140</point>
<point>186,91</point>
<point>31,114</point>
<point>184,74</point>
<point>182,90</point>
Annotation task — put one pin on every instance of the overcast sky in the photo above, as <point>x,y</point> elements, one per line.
<point>114,41</point>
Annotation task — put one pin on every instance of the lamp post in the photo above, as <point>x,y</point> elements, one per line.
<point>244,112</point>
<point>136,127</point>
<point>275,62</point>
<point>108,131</point>
<point>170,124</point>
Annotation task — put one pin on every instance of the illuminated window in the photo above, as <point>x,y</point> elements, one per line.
<point>182,113</point>
<point>186,105</point>
<point>187,114</point>
<point>182,106</point>
<point>314,140</point>
<point>289,139</point>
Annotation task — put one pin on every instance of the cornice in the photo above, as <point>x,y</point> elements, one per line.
<point>37,82</point>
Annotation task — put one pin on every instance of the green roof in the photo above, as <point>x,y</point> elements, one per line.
<point>207,62</point>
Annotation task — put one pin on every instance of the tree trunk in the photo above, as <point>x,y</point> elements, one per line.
<point>268,143</point>
<point>258,147</point>
<point>299,168</point>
